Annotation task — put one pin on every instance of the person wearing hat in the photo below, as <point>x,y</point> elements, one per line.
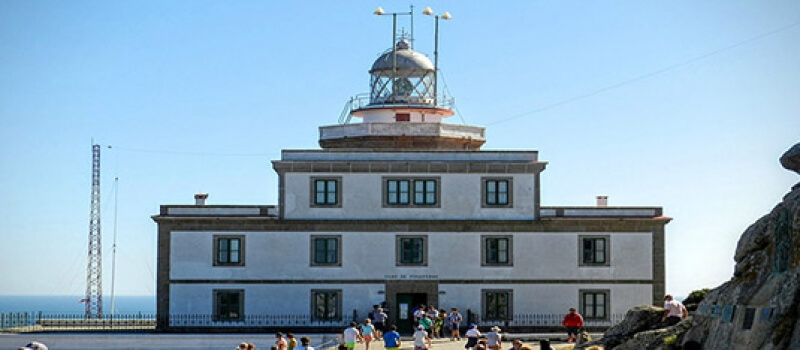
<point>421,339</point>
<point>472,337</point>
<point>494,339</point>
<point>573,322</point>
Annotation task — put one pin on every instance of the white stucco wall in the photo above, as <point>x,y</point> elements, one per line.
<point>362,198</point>
<point>371,255</point>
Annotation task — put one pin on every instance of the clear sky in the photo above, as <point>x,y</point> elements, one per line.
<point>680,104</point>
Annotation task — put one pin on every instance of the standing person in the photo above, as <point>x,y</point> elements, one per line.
<point>251,346</point>
<point>426,323</point>
<point>494,340</point>
<point>418,312</point>
<point>421,339</point>
<point>674,311</point>
<point>391,339</point>
<point>379,321</point>
<point>351,335</point>
<point>291,341</point>
<point>304,341</point>
<point>455,322</point>
<point>438,323</point>
<point>573,322</point>
<point>472,337</point>
<point>367,332</point>
<point>280,343</point>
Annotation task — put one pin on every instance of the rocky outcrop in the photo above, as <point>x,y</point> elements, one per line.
<point>758,308</point>
<point>640,330</point>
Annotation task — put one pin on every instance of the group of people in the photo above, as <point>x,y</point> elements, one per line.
<point>283,343</point>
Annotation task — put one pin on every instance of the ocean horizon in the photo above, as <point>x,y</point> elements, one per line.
<point>66,304</point>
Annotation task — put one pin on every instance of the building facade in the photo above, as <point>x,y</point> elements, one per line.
<point>400,209</point>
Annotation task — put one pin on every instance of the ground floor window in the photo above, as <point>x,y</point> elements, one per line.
<point>497,304</point>
<point>326,305</point>
<point>594,304</point>
<point>229,305</point>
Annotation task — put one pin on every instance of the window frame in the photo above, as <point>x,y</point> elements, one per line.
<point>592,314</point>
<point>509,192</point>
<point>399,250</point>
<point>337,194</point>
<point>215,258</point>
<point>582,251</point>
<point>509,312</point>
<point>411,200</point>
<point>485,250</point>
<point>313,255</point>
<point>337,304</point>
<point>217,315</point>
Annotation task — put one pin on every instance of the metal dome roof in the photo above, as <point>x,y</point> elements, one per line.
<point>406,58</point>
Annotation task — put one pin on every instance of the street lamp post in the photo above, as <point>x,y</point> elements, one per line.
<point>446,16</point>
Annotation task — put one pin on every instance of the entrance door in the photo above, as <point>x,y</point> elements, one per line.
<point>406,303</point>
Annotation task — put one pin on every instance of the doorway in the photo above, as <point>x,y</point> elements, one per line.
<point>405,306</point>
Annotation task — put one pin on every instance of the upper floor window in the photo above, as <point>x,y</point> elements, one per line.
<point>496,192</point>
<point>497,250</point>
<point>497,305</point>
<point>228,305</point>
<point>326,305</point>
<point>411,250</point>
<point>411,192</point>
<point>594,304</point>
<point>229,250</point>
<point>326,192</point>
<point>594,250</point>
<point>326,250</point>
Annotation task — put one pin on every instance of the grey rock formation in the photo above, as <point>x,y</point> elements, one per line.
<point>759,308</point>
<point>791,159</point>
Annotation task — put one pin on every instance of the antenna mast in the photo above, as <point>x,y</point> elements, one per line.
<point>94,267</point>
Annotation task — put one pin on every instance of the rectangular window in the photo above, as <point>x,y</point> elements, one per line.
<point>397,192</point>
<point>326,250</point>
<point>229,250</point>
<point>497,251</point>
<point>594,251</point>
<point>497,192</point>
<point>425,192</point>
<point>411,192</point>
<point>326,305</point>
<point>326,192</point>
<point>229,305</point>
<point>497,305</point>
<point>402,117</point>
<point>594,304</point>
<point>411,251</point>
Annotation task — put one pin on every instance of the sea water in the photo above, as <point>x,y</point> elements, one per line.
<point>72,304</point>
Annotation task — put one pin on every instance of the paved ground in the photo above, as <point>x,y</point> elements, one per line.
<point>143,341</point>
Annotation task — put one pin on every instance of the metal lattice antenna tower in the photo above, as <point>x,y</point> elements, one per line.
<point>94,267</point>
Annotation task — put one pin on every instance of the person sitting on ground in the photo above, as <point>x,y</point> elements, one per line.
<point>304,341</point>
<point>494,339</point>
<point>674,311</point>
<point>242,346</point>
<point>544,344</point>
<point>482,345</point>
<point>472,335</point>
<point>573,322</point>
<point>516,344</point>
<point>391,339</point>
<point>421,339</point>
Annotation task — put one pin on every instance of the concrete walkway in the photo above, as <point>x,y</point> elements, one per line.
<point>145,341</point>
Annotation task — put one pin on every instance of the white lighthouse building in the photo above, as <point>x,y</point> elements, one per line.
<point>399,208</point>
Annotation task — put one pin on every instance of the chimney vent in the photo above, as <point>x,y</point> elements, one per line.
<point>200,198</point>
<point>602,201</point>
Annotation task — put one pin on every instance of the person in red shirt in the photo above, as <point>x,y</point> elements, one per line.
<point>573,322</point>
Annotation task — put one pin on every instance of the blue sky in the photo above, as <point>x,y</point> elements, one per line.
<point>680,104</point>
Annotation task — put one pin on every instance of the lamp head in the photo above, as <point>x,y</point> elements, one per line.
<point>446,15</point>
<point>427,11</point>
<point>379,11</point>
